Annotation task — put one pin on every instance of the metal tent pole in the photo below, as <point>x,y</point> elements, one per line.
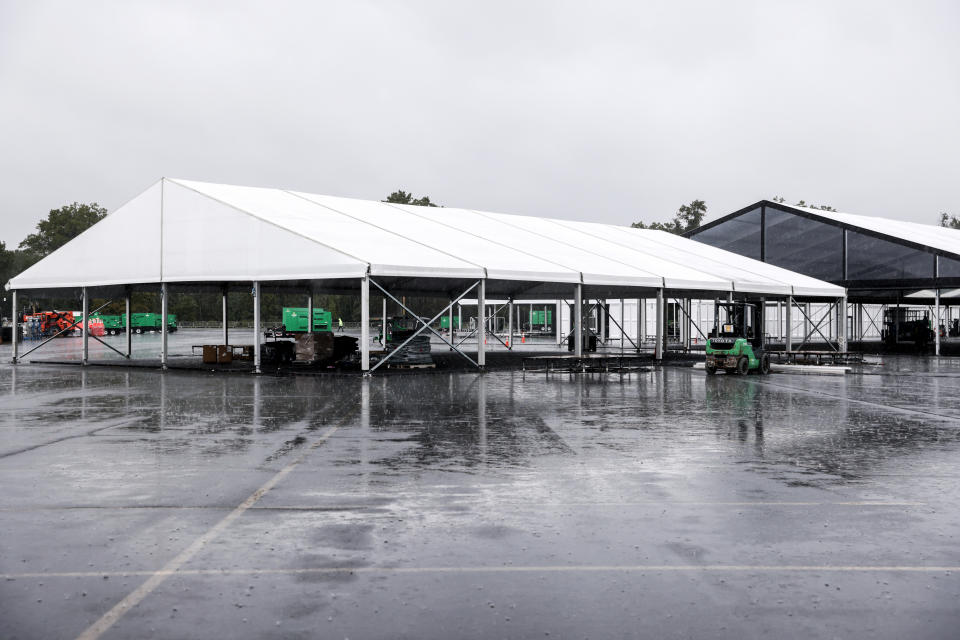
<point>601,320</point>
<point>310,312</point>
<point>557,324</point>
<point>126,324</point>
<point>510,324</point>
<point>660,333</point>
<point>622,330</point>
<point>364,323</point>
<point>256,327</point>
<point>164,301</point>
<point>788,330</point>
<point>641,321</point>
<point>86,326</point>
<point>687,328</point>
<point>578,320</point>
<point>226,323</point>
<point>449,319</point>
<point>482,323</point>
<point>936,323</point>
<point>842,324</point>
<point>15,328</point>
<point>383,324</point>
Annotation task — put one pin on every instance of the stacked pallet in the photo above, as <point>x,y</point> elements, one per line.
<point>417,352</point>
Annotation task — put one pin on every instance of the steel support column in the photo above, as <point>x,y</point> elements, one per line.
<point>126,323</point>
<point>687,328</point>
<point>578,320</point>
<point>510,324</point>
<point>86,324</point>
<point>15,328</point>
<point>482,323</point>
<point>558,324</point>
<point>256,327</point>
<point>641,321</point>
<point>310,312</point>
<point>622,330</point>
<point>936,323</point>
<point>164,305</point>
<point>226,322</point>
<point>383,324</point>
<point>449,320</point>
<point>842,324</point>
<point>660,331</point>
<point>602,313</point>
<point>364,323</point>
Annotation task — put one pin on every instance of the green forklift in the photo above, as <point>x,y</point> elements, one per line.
<point>736,342</point>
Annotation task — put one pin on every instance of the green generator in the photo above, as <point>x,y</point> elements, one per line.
<point>445,322</point>
<point>144,322</point>
<point>541,318</point>
<point>295,319</point>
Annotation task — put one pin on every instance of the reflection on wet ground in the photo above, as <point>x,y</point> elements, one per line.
<point>658,504</point>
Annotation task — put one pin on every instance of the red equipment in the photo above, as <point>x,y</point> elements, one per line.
<point>51,321</point>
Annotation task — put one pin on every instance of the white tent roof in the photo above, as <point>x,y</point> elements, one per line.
<point>933,236</point>
<point>185,231</point>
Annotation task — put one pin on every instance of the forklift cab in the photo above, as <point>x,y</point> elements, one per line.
<point>734,320</point>
<point>736,342</point>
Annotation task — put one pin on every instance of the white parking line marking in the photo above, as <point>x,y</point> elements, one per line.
<point>156,578</point>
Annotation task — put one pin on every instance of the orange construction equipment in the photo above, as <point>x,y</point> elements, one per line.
<point>50,322</point>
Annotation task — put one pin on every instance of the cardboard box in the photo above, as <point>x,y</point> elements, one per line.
<point>209,354</point>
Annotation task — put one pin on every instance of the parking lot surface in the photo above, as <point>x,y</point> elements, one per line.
<point>141,504</point>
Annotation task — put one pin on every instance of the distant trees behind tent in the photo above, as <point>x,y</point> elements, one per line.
<point>803,203</point>
<point>688,217</point>
<point>951,222</point>
<point>402,197</point>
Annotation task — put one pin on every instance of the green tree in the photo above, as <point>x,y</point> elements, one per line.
<point>802,203</point>
<point>688,217</point>
<point>951,222</point>
<point>402,197</point>
<point>61,226</point>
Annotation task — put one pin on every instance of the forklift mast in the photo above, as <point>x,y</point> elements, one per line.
<point>739,320</point>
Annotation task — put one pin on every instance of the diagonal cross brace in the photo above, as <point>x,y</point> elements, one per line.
<point>624,333</point>
<point>493,333</point>
<point>426,325</point>
<point>695,325</point>
<point>817,326</point>
<point>62,331</point>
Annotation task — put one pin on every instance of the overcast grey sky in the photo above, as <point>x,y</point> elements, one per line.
<point>611,112</point>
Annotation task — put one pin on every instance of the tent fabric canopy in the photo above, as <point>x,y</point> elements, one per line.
<point>936,237</point>
<point>186,231</point>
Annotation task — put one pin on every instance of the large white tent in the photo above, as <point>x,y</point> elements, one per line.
<point>194,234</point>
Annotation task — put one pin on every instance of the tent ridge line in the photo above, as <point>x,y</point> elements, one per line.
<point>270,222</point>
<point>491,241</point>
<point>567,244</point>
<point>385,230</point>
<point>771,279</point>
<point>636,250</point>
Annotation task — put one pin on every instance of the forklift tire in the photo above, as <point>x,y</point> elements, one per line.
<point>743,366</point>
<point>765,365</point>
<point>711,371</point>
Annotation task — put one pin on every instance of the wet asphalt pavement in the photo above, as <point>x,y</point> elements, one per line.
<point>663,504</point>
